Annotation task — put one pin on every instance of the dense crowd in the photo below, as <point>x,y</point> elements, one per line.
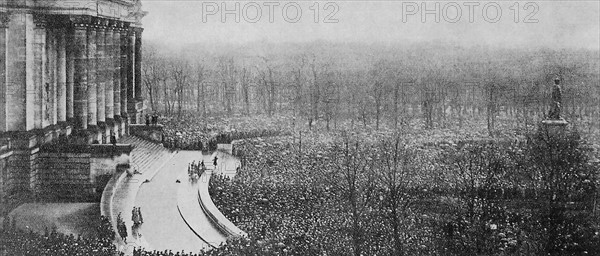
<point>293,203</point>
<point>142,252</point>
<point>292,196</point>
<point>14,241</point>
<point>17,242</point>
<point>192,133</point>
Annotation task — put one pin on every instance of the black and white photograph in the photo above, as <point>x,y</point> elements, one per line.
<point>299,127</point>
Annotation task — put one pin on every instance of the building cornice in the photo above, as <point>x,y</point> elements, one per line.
<point>123,10</point>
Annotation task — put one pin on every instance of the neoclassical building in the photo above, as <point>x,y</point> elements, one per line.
<point>70,74</point>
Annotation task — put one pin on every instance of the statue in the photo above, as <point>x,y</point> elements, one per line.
<point>554,113</point>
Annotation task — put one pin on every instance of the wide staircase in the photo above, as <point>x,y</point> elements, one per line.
<point>147,158</point>
<point>146,155</point>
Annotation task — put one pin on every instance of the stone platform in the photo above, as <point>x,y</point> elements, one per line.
<point>555,128</point>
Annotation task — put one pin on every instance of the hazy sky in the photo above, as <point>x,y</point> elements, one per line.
<point>541,23</point>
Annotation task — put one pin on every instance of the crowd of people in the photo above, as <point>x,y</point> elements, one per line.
<point>192,133</point>
<point>295,201</point>
<point>292,209</point>
<point>136,216</point>
<point>152,119</point>
<point>142,252</point>
<point>121,228</point>
<point>17,242</point>
<point>196,169</point>
<point>286,196</point>
<point>14,241</point>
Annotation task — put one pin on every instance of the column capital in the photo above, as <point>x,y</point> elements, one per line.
<point>95,23</point>
<point>40,20</point>
<point>80,21</point>
<point>120,26</point>
<point>103,23</point>
<point>138,31</point>
<point>132,31</point>
<point>113,24</point>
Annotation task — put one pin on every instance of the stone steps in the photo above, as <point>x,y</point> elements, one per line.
<point>146,155</point>
<point>147,158</point>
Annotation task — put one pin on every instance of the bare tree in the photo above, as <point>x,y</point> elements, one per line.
<point>180,72</point>
<point>245,88</point>
<point>358,187</point>
<point>317,83</point>
<point>298,86</point>
<point>152,71</point>
<point>200,88</point>
<point>228,76</point>
<point>315,92</point>
<point>395,172</point>
<point>379,74</point>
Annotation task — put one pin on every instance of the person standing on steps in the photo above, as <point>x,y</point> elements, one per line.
<point>178,140</point>
<point>215,161</point>
<point>139,212</point>
<point>113,140</point>
<point>121,228</point>
<point>134,217</point>
<point>154,119</point>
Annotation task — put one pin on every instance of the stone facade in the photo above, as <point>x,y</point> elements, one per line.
<point>70,74</point>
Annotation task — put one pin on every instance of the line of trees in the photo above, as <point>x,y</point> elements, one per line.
<point>373,84</point>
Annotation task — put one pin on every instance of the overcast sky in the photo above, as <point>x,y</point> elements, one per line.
<point>542,23</point>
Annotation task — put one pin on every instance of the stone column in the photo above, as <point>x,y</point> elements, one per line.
<point>132,109</point>
<point>100,75</point>
<point>138,64</point>
<point>117,70</point>
<point>61,76</point>
<point>4,19</point>
<point>92,97</point>
<point>50,102</point>
<point>39,79</point>
<point>80,74</point>
<point>20,72</point>
<point>124,72</point>
<point>131,65</point>
<point>70,72</point>
<point>109,73</point>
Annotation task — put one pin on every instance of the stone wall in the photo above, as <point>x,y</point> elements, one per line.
<point>56,172</point>
<point>79,174</point>
<point>21,175</point>
<point>4,155</point>
<point>105,161</point>
<point>64,176</point>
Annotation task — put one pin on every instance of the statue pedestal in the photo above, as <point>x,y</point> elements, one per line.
<point>555,127</point>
